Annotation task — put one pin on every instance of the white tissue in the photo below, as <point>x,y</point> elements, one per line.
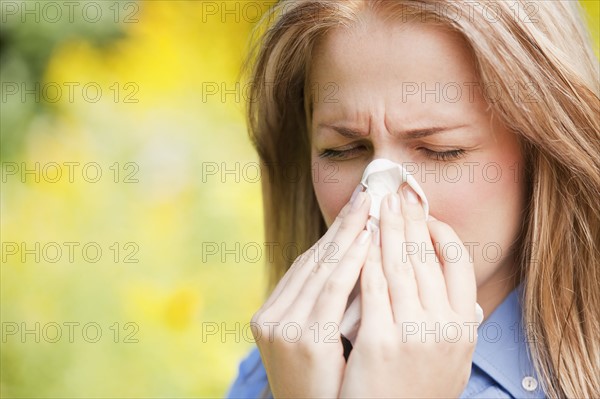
<point>380,178</point>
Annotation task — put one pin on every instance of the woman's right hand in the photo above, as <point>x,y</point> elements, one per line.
<point>297,328</point>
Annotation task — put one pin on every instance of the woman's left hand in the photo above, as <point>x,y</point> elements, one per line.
<point>418,329</point>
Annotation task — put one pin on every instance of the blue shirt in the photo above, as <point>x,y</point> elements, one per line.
<point>501,367</point>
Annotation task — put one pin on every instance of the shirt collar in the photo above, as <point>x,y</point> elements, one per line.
<point>502,352</point>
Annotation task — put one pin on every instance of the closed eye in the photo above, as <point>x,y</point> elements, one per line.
<point>356,151</point>
<point>342,154</point>
<point>443,155</point>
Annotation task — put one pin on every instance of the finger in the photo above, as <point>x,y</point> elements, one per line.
<point>332,299</point>
<point>429,277</point>
<point>398,270</point>
<point>457,268</point>
<point>296,275</point>
<point>375,307</point>
<point>351,226</point>
<point>351,320</point>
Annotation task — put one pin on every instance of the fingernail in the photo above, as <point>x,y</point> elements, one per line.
<point>357,190</point>
<point>363,238</point>
<point>358,201</point>
<point>409,194</point>
<point>394,203</point>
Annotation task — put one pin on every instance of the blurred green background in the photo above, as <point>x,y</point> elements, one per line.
<point>122,284</point>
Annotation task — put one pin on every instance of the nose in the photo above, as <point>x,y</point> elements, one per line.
<point>392,149</point>
<point>393,154</point>
<point>398,152</point>
<point>386,145</point>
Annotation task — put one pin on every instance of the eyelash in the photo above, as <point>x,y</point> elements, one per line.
<point>336,154</point>
<point>435,155</point>
<point>444,155</point>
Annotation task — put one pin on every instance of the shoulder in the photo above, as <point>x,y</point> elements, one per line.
<point>251,379</point>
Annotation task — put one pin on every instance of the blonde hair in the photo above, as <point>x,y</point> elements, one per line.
<point>556,121</point>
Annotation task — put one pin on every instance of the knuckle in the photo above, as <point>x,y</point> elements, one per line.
<point>332,287</point>
<point>300,259</point>
<point>345,226</point>
<point>256,325</point>
<point>374,285</point>
<point>259,317</point>
<point>386,348</point>
<point>305,256</point>
<point>328,252</point>
<point>321,267</point>
<point>338,220</point>
<point>411,220</point>
<point>352,257</point>
<point>373,257</point>
<point>394,224</point>
<point>255,317</point>
<point>402,268</point>
<point>307,350</point>
<point>349,221</point>
<point>344,211</point>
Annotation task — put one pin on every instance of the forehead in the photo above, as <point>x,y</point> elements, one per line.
<point>417,67</point>
<point>413,50</point>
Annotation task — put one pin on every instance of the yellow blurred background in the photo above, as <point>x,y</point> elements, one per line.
<point>131,218</point>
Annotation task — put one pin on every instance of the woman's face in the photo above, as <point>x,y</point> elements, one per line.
<point>409,93</point>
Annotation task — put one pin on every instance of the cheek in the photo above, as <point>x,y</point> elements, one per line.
<point>333,187</point>
<point>485,210</point>
<point>478,207</point>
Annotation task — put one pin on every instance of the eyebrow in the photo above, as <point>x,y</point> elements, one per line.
<point>408,134</point>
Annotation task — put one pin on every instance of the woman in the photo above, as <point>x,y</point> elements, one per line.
<point>494,106</point>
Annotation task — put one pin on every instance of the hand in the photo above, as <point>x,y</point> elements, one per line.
<point>418,327</point>
<point>296,330</point>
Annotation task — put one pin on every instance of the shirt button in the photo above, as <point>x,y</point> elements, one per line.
<point>529,384</point>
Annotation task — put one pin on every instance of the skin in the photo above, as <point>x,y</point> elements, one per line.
<point>368,64</point>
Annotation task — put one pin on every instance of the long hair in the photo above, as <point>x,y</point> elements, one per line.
<point>541,47</point>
